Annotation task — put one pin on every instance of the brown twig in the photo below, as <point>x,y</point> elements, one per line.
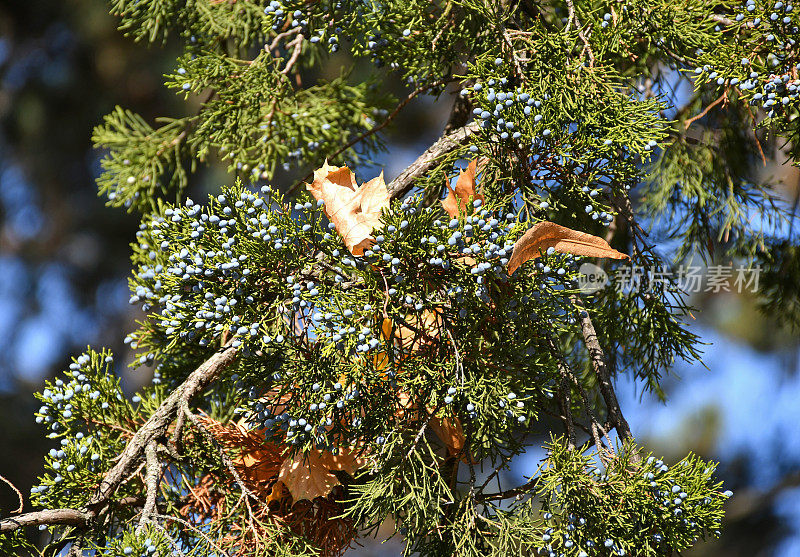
<point>18,492</point>
<point>705,111</point>
<point>281,36</point>
<point>297,43</point>
<point>131,458</point>
<point>603,377</point>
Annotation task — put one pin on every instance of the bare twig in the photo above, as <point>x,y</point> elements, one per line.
<point>565,404</point>
<point>281,36</point>
<point>705,111</point>
<point>19,495</point>
<point>297,43</point>
<point>603,377</point>
<point>521,490</point>
<point>76,549</point>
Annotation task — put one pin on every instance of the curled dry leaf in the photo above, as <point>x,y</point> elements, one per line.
<point>311,475</point>
<point>354,211</point>
<point>546,234</point>
<point>458,199</point>
<point>450,431</point>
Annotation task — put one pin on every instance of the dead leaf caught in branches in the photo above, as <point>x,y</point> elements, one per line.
<point>354,211</point>
<point>457,199</point>
<point>546,235</point>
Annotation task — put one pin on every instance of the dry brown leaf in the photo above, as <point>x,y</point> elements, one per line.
<point>451,433</point>
<point>354,211</point>
<point>448,430</point>
<point>465,189</point>
<point>309,476</point>
<point>413,338</point>
<point>545,235</point>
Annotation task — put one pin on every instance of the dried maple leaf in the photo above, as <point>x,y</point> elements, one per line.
<point>309,476</point>
<point>545,235</point>
<point>354,211</point>
<point>465,189</point>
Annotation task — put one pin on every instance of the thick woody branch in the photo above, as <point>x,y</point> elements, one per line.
<point>71,517</point>
<point>153,467</point>
<point>403,183</point>
<point>603,376</point>
<point>156,427</point>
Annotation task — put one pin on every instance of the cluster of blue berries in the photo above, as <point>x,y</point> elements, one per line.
<point>195,266</point>
<point>146,543</point>
<point>680,505</point>
<point>512,114</point>
<point>767,73</point>
<point>277,12</point>
<point>565,539</point>
<point>312,422</point>
<point>90,390</point>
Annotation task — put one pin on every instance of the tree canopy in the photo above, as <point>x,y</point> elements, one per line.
<point>334,352</point>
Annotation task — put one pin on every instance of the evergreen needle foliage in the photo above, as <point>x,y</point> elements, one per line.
<point>303,396</point>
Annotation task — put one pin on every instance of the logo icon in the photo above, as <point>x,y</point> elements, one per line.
<point>592,278</point>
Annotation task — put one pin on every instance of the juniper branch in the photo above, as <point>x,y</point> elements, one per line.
<point>153,467</point>
<point>156,426</point>
<point>72,517</point>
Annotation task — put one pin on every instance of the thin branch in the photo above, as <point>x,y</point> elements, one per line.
<point>573,18</point>
<point>565,404</point>
<point>76,549</point>
<point>19,495</point>
<point>705,111</point>
<point>521,490</point>
<point>131,458</point>
<point>297,43</point>
<point>603,377</point>
<point>281,36</point>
